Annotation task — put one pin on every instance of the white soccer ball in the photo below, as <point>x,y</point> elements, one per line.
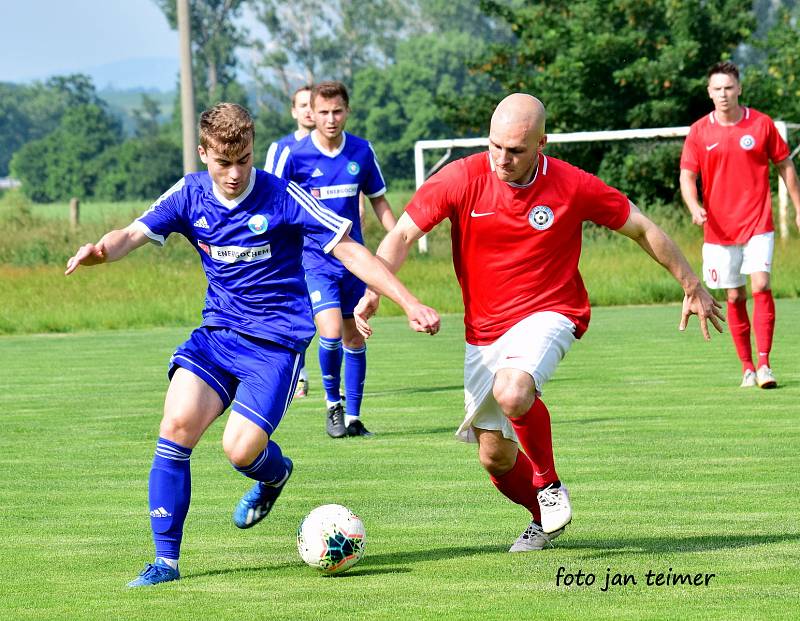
<point>331,538</point>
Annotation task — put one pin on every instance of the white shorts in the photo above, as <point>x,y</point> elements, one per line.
<point>726,267</point>
<point>535,345</point>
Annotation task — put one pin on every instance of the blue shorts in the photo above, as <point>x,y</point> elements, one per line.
<point>327,291</point>
<point>256,377</point>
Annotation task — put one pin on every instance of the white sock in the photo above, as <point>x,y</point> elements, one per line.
<point>303,375</point>
<point>172,562</point>
<point>330,404</point>
<point>349,418</point>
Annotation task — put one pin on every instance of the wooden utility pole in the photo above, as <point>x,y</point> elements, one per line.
<point>187,89</point>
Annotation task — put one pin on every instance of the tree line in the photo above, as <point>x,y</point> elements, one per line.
<point>421,69</point>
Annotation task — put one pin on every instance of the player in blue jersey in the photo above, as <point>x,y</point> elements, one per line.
<point>249,228</point>
<point>335,167</point>
<point>303,114</point>
<point>276,159</point>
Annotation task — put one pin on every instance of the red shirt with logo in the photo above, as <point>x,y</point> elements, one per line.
<point>733,162</point>
<point>516,248</point>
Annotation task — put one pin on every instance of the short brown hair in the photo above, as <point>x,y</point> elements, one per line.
<point>330,90</point>
<point>305,87</point>
<point>725,67</point>
<point>227,128</point>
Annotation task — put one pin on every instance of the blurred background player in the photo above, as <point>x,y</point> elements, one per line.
<point>516,220</point>
<point>248,228</point>
<point>276,158</point>
<point>335,167</point>
<point>731,148</point>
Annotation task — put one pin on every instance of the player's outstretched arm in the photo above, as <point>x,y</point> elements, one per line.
<point>688,181</point>
<point>656,243</point>
<point>358,260</point>
<point>788,173</point>
<point>112,246</point>
<point>393,251</point>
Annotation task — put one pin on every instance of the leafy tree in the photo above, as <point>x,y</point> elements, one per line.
<point>146,119</point>
<point>215,38</point>
<point>60,165</point>
<point>142,167</point>
<point>773,86</point>
<point>30,112</point>
<point>400,104</point>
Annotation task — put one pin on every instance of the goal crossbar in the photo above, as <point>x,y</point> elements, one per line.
<point>420,174</point>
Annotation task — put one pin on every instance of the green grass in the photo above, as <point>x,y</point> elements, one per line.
<point>670,465</point>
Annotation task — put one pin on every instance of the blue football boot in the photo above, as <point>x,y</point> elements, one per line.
<point>256,504</point>
<point>155,573</point>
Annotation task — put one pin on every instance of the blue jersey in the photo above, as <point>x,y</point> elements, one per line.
<point>251,249</point>
<point>336,180</point>
<point>277,154</point>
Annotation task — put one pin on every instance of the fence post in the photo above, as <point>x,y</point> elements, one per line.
<point>74,212</point>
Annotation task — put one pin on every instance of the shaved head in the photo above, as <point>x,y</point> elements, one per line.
<point>516,137</point>
<point>522,110</point>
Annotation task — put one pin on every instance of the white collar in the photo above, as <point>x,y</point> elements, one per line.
<point>230,203</point>
<point>323,150</point>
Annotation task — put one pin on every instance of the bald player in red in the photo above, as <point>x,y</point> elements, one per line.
<point>516,218</point>
<point>731,148</point>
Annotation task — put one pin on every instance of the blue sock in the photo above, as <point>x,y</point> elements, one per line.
<point>170,491</point>
<point>355,372</point>
<point>330,363</point>
<point>268,467</point>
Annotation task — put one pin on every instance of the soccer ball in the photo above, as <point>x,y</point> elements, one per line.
<point>331,538</point>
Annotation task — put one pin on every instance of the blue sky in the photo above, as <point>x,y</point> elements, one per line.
<point>39,38</point>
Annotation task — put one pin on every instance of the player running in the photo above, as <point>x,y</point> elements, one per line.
<point>516,220</point>
<point>335,167</point>
<point>731,148</point>
<point>249,228</point>
<point>276,159</point>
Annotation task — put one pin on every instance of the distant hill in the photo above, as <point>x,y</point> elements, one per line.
<point>137,73</point>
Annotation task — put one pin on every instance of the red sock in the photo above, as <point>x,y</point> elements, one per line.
<point>763,324</point>
<point>533,432</point>
<point>739,325</point>
<point>517,485</point>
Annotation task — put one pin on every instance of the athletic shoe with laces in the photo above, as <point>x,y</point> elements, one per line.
<point>555,507</point>
<point>534,538</point>
<point>356,428</point>
<point>335,423</point>
<point>256,504</point>
<point>155,573</point>
<point>301,390</point>
<point>748,379</point>
<point>766,378</point>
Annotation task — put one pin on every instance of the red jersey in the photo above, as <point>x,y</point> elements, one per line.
<point>516,248</point>
<point>733,162</point>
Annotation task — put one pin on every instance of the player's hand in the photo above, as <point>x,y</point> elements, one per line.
<point>699,216</point>
<point>367,306</point>
<point>88,254</point>
<point>706,308</point>
<point>423,318</point>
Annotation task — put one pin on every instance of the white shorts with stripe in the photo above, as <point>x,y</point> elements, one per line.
<point>726,267</point>
<point>535,345</point>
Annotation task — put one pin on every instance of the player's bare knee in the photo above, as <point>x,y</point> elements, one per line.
<point>496,459</point>
<point>513,400</point>
<point>180,427</point>
<point>240,454</point>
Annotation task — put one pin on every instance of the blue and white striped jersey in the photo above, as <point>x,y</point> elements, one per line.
<point>277,153</point>
<point>251,250</point>
<point>335,179</point>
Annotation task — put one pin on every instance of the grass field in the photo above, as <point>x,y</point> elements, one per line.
<point>670,465</point>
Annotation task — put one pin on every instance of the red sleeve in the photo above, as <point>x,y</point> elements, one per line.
<point>603,204</point>
<point>689,158</point>
<point>777,149</point>
<point>436,198</point>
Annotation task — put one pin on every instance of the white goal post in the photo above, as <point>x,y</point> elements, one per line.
<point>420,174</point>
